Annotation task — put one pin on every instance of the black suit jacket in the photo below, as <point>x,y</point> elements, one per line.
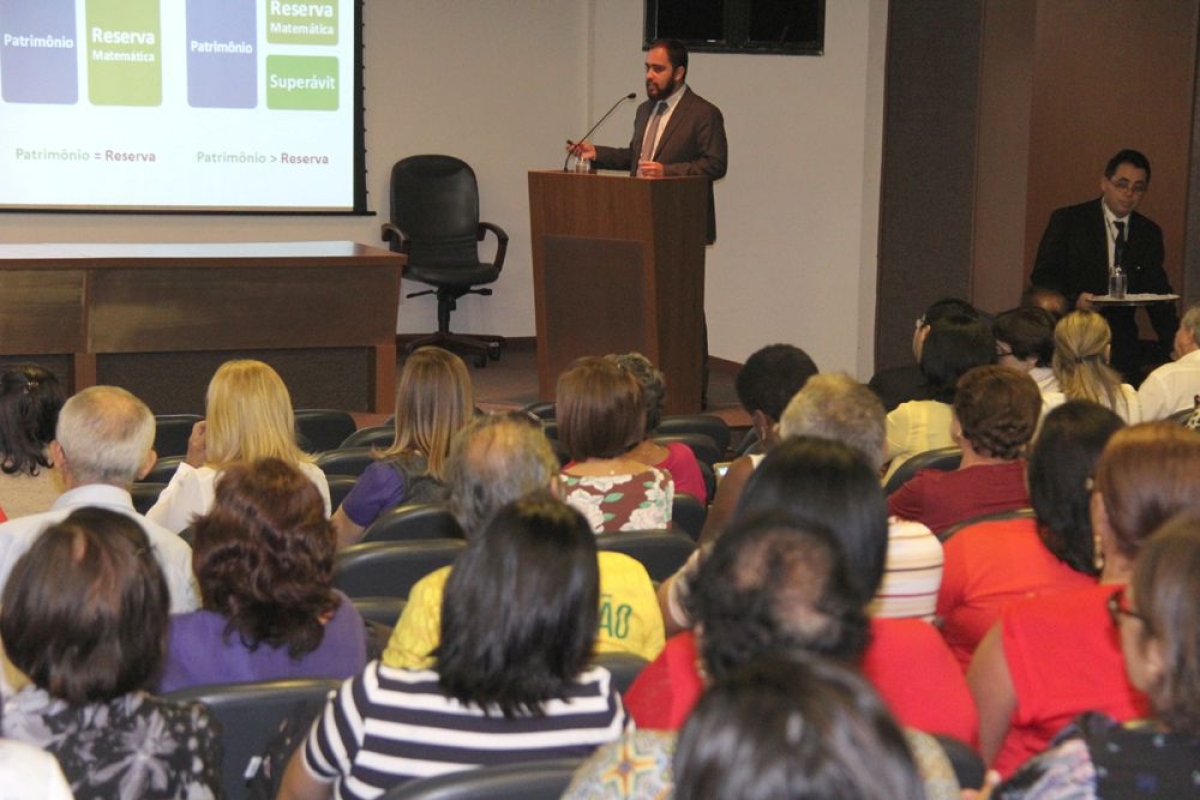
<point>1073,258</point>
<point>1073,254</point>
<point>693,143</point>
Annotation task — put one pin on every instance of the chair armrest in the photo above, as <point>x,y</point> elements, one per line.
<point>501,241</point>
<point>397,239</point>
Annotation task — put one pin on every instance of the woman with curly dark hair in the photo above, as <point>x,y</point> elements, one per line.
<point>263,557</point>
<point>995,414</point>
<point>30,399</point>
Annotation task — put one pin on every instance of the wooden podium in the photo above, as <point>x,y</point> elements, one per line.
<point>618,265</point>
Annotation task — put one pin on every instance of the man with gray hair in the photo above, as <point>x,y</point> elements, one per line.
<point>104,442</point>
<point>494,460</point>
<point>837,407</point>
<point>1174,386</point>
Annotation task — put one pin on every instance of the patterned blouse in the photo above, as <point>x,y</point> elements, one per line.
<point>133,747</point>
<point>1097,756</point>
<point>640,502</point>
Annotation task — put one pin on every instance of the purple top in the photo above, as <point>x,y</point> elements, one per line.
<point>198,653</point>
<point>382,486</point>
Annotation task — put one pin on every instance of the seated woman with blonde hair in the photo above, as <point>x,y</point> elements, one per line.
<point>601,419</point>
<point>1082,349</point>
<point>263,556</point>
<point>434,400</point>
<point>248,417</point>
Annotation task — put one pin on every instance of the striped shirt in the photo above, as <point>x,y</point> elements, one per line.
<point>913,573</point>
<point>386,726</point>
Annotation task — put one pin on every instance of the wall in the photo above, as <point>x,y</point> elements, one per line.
<point>502,84</point>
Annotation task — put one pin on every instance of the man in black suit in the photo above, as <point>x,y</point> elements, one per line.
<point>689,135</point>
<point>1083,244</point>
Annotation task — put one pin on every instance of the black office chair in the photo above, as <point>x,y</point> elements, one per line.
<point>710,425</point>
<point>390,569</point>
<point>662,553</point>
<point>535,780</point>
<point>701,444</point>
<point>382,436</point>
<point>250,715</point>
<point>435,222</point>
<point>163,470</point>
<point>946,459</point>
<point>688,515</point>
<point>345,460</point>
<point>145,495</point>
<point>339,487</point>
<point>171,433</point>
<point>321,429</point>
<point>413,522</point>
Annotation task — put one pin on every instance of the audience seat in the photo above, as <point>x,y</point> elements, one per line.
<point>1020,513</point>
<point>943,458</point>
<point>709,425</point>
<point>250,715</point>
<point>171,433</point>
<point>163,470</point>
<point>383,611</point>
<point>390,569</point>
<point>623,666</point>
<point>662,553</point>
<point>145,495</point>
<point>700,444</point>
<point>339,487</point>
<point>345,460</point>
<point>321,429</point>
<point>542,409</point>
<point>381,436</point>
<point>536,780</point>
<point>688,514</point>
<point>413,521</point>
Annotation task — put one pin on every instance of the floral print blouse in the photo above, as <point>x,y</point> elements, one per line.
<point>133,747</point>
<point>640,502</point>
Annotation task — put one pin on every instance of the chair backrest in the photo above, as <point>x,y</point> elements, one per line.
<point>374,436</point>
<point>624,667</point>
<point>321,429</point>
<point>1019,513</point>
<point>536,780</point>
<point>171,433</point>
<point>390,569</point>
<point>542,409</point>
<point>339,487</point>
<point>384,611</point>
<point>943,458</point>
<point>710,425</point>
<point>688,515</point>
<point>163,470</point>
<point>435,202</point>
<point>345,460</point>
<point>413,521</point>
<point>662,553</point>
<point>145,495</point>
<point>700,444</point>
<point>250,715</point>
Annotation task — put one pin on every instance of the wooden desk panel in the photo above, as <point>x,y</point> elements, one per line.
<point>87,300</point>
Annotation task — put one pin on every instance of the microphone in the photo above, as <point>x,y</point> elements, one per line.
<point>630,96</point>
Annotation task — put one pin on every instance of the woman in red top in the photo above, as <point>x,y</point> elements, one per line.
<point>991,564</point>
<point>1053,657</point>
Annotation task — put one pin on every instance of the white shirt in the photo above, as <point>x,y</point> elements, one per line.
<point>191,494</point>
<point>1129,407</point>
<point>173,553</point>
<point>1170,388</point>
<point>28,773</point>
<point>1109,220</point>
<point>671,102</point>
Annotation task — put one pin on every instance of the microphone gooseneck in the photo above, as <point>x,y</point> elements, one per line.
<point>630,96</point>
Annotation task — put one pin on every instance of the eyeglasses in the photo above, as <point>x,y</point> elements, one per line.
<point>1117,608</point>
<point>1123,185</point>
<point>1001,352</point>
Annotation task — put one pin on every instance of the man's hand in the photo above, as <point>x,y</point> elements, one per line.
<point>1084,300</point>
<point>650,169</point>
<point>197,452</point>
<point>584,149</point>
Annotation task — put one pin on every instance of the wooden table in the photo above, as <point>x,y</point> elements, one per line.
<point>92,300</point>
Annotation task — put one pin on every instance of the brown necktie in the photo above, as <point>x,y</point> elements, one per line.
<point>652,132</point>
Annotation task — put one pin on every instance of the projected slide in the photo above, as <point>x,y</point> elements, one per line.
<point>178,104</point>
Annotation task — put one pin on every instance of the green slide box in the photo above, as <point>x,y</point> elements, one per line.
<point>305,83</point>
<point>124,53</point>
<point>307,22</point>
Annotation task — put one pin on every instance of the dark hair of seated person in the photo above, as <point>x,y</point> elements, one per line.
<point>30,399</point>
<point>85,609</point>
<point>954,345</point>
<point>520,608</point>
<point>600,410</point>
<point>770,378</point>
<point>263,556</point>
<point>790,726</point>
<point>1061,463</point>
<point>998,410</point>
<point>833,485</point>
<point>1029,333</point>
<point>776,581</point>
